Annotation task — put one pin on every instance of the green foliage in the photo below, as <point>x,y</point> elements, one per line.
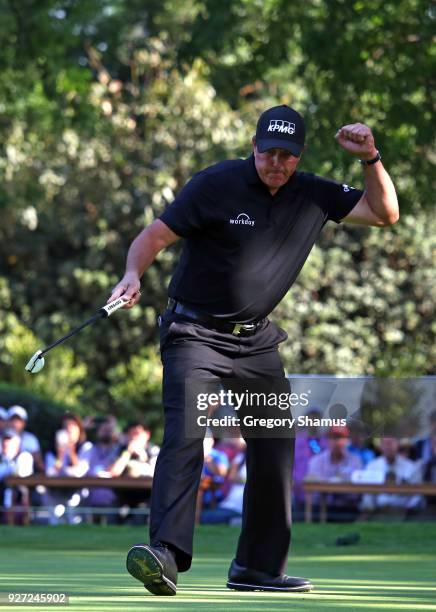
<point>135,388</point>
<point>337,62</point>
<point>364,302</point>
<point>108,107</point>
<point>62,381</point>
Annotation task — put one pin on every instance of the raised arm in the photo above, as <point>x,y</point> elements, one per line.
<point>378,205</point>
<point>140,256</point>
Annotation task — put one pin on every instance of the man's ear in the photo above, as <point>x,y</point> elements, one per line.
<point>253,142</point>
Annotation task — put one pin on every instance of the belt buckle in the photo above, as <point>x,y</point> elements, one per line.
<point>237,329</point>
<point>243,326</point>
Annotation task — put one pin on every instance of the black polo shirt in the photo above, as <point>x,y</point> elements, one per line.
<point>244,247</point>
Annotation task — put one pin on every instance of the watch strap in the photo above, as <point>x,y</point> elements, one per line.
<point>370,162</point>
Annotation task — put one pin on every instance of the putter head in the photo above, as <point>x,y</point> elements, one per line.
<point>35,363</point>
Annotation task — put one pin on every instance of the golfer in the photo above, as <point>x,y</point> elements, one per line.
<point>248,226</point>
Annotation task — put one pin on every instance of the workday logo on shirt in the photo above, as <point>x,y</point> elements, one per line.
<point>242,219</point>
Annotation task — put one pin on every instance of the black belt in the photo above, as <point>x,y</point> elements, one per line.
<point>238,329</point>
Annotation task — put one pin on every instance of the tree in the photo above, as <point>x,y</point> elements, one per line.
<point>109,107</point>
<point>94,190</point>
<point>364,302</point>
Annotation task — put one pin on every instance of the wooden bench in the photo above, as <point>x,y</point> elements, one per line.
<point>324,488</point>
<point>68,482</point>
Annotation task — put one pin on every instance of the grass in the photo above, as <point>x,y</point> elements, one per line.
<point>393,567</point>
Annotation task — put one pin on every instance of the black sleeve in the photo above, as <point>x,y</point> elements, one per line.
<point>336,199</point>
<point>190,211</point>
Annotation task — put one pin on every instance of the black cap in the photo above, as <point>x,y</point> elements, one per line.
<point>280,127</point>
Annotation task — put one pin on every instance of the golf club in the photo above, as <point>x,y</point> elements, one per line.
<point>37,362</point>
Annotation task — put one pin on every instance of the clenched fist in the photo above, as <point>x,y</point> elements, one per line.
<point>357,139</point>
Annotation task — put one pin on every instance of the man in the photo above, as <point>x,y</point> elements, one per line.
<point>101,456</point>
<point>309,443</point>
<point>17,419</point>
<point>423,448</point>
<point>137,455</point>
<point>249,226</point>
<point>216,467</point>
<point>229,509</point>
<point>428,468</point>
<point>391,467</point>
<point>337,463</point>
<point>137,458</point>
<point>13,462</point>
<point>358,443</point>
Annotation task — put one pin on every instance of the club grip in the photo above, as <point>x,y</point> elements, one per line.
<point>113,306</point>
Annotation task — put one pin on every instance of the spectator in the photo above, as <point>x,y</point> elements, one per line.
<point>70,458</point>
<point>405,448</point>
<point>337,464</point>
<point>309,441</point>
<point>229,510</point>
<point>216,467</point>
<point>3,419</point>
<point>138,456</point>
<point>231,446</point>
<point>13,462</point>
<point>71,449</point>
<point>17,419</point>
<point>152,449</point>
<point>91,424</point>
<point>101,458</point>
<point>105,451</point>
<point>422,449</point>
<point>429,475</point>
<point>392,467</point>
<point>357,444</point>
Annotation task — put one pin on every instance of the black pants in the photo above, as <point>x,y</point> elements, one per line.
<point>190,350</point>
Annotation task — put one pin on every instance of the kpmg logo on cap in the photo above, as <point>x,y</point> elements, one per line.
<point>282,126</point>
<point>242,219</point>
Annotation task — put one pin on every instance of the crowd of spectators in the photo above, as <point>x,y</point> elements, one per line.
<point>89,447</point>
<point>96,447</point>
<point>344,454</point>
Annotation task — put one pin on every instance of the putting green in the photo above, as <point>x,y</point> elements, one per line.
<point>393,567</point>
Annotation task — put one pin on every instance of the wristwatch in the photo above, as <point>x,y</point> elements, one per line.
<point>369,162</point>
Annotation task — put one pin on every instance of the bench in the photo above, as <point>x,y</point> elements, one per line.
<point>68,482</point>
<point>324,488</point>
